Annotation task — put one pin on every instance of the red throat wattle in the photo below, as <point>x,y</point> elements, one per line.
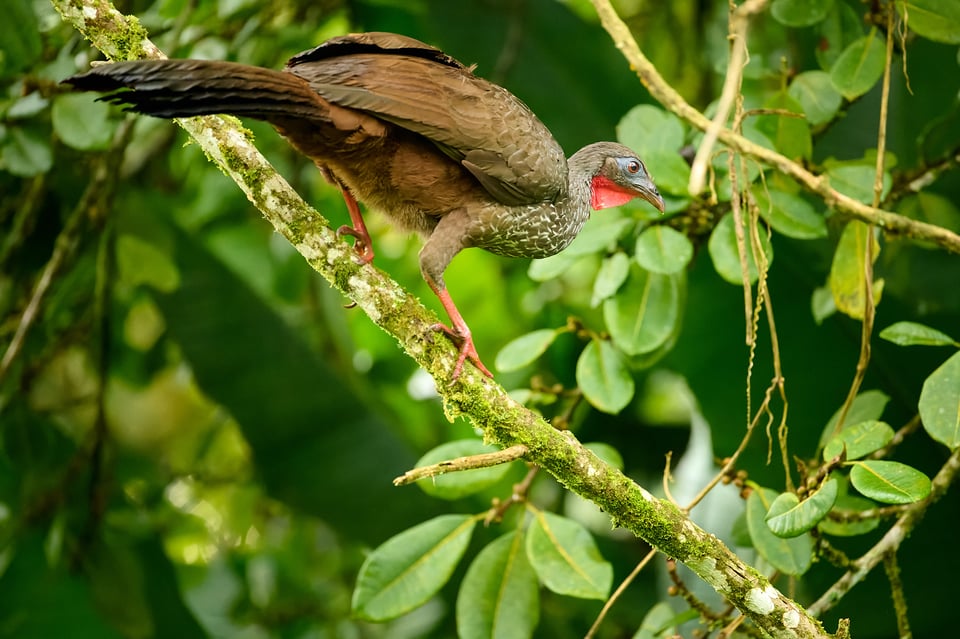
<point>605,193</point>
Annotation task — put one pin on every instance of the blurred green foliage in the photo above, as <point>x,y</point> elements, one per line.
<point>198,439</point>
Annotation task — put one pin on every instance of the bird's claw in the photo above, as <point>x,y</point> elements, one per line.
<point>362,246</point>
<point>467,351</point>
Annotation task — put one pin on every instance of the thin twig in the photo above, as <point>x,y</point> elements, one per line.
<point>471,462</point>
<point>618,592</point>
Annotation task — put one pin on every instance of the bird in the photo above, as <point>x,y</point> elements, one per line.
<point>411,132</point>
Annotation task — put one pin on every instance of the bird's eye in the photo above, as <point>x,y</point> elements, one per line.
<point>633,167</point>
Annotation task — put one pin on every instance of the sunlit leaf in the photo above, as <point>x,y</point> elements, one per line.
<point>846,272</point>
<point>859,66</point>
<point>914,334</point>
<point>604,378</point>
<point>789,517</point>
<point>937,20</point>
<point>410,567</point>
<point>859,440</point>
<point>940,403</point>
<point>889,482</point>
<point>566,557</point>
<point>661,249</point>
<point>462,483</point>
<point>792,556</point>
<point>726,259</point>
<point>645,313</point>
<point>524,349</point>
<point>499,597</point>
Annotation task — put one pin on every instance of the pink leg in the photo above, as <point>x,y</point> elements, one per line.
<point>363,246</point>
<point>459,333</point>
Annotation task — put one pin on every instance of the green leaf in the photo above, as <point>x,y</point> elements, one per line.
<point>790,133</point>
<point>846,272</point>
<point>723,252</point>
<point>856,179</point>
<point>611,276</point>
<point>410,567</point>
<point>26,153</point>
<point>860,440</point>
<point>599,234</point>
<point>816,95</point>
<point>790,215</point>
<point>460,484</point>
<point>840,28</point>
<point>645,313</point>
<point>607,453</point>
<point>524,349</point>
<point>791,556</point>
<point>853,527</point>
<point>822,305</point>
<point>660,622</point>
<point>789,517</point>
<point>604,378</point>
<point>20,44</point>
<point>866,406</point>
<point>661,249</point>
<point>81,122</point>
<point>142,262</point>
<point>940,403</point>
<point>550,267</point>
<point>660,152</point>
<point>566,558</point>
<point>937,20</point>
<point>889,482</point>
<point>914,334</point>
<point>859,66</point>
<point>800,13</point>
<point>499,597</point>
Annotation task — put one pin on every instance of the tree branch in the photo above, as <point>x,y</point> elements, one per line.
<point>667,96</point>
<point>487,404</point>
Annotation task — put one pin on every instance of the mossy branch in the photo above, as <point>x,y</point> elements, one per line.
<point>482,400</point>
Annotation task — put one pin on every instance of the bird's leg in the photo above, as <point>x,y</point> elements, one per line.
<point>459,332</point>
<point>362,246</point>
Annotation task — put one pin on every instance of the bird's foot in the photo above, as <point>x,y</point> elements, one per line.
<point>467,350</point>
<point>362,245</point>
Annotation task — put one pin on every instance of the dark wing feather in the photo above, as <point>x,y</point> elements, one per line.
<point>483,126</point>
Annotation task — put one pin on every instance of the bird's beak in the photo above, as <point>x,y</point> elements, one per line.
<point>647,190</point>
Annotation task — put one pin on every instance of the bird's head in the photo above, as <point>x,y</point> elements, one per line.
<point>618,176</point>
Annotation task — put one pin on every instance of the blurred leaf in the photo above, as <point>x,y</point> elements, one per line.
<point>28,106</point>
<point>800,13</point>
<point>499,597</point>
<point>141,262</point>
<point>524,349</point>
<point>790,215</point>
<point>599,234</point>
<point>611,276</point>
<point>914,334</point>
<point>938,20</point>
<point>789,517</point>
<point>940,403</point>
<point>657,137</point>
<point>20,44</point>
<point>566,558</point>
<point>931,207</point>
<point>856,179</point>
<point>82,122</point>
<point>411,567</point>
<point>846,272</point>
<point>816,95</point>
<point>859,66</point>
<point>604,378</point>
<point>26,153</point>
<point>860,439</point>
<point>841,28</point>
<point>889,482</point>
<point>661,249</point>
<point>550,267</point>
<point>456,485</point>
<point>645,313</point>
<point>822,305</point>
<point>726,259</point>
<point>789,131</point>
<point>659,623</point>
<point>792,556</point>
<point>867,406</point>
<point>607,453</point>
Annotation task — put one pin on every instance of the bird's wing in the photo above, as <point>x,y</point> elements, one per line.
<point>479,124</point>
